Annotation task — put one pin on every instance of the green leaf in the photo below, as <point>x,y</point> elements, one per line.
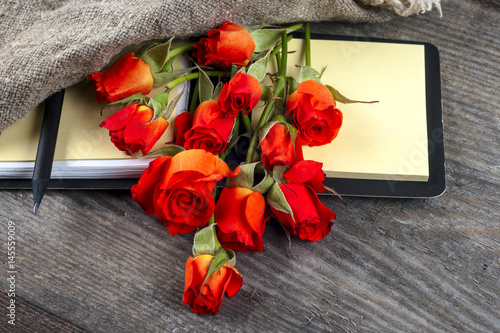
<point>157,56</point>
<point>259,68</point>
<point>266,39</point>
<point>338,97</point>
<point>205,241</point>
<point>163,78</point>
<point>276,199</point>
<point>168,150</point>
<point>205,86</point>
<point>309,73</point>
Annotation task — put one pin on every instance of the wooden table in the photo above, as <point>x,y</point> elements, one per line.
<point>92,261</point>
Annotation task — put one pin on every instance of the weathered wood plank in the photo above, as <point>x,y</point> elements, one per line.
<point>95,261</point>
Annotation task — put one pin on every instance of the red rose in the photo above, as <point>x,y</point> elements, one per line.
<point>307,172</point>
<point>241,218</point>
<point>127,76</point>
<point>209,298</point>
<point>278,148</point>
<point>311,219</point>
<point>130,130</point>
<point>228,45</point>
<point>178,189</point>
<point>313,112</point>
<point>210,130</point>
<point>241,93</point>
<point>183,122</point>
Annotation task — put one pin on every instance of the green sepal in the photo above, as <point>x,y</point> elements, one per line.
<point>206,242</point>
<point>266,39</point>
<point>235,69</point>
<point>278,173</point>
<point>158,104</point>
<point>292,84</point>
<point>157,56</point>
<point>220,259</point>
<point>234,142</point>
<point>246,178</point>
<point>217,90</point>
<point>168,150</point>
<point>259,68</point>
<point>135,97</point>
<point>265,184</point>
<point>235,130</point>
<point>232,257</point>
<point>276,199</point>
<point>279,119</point>
<point>205,86</point>
<point>265,130</point>
<point>173,104</point>
<point>332,190</point>
<point>267,93</point>
<point>309,73</point>
<point>162,78</point>
<point>338,97</point>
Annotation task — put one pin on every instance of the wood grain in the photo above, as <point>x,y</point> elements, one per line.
<point>92,261</point>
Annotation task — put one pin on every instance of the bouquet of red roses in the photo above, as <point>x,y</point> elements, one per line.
<point>182,185</point>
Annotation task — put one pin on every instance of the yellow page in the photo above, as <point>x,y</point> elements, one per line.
<point>385,140</point>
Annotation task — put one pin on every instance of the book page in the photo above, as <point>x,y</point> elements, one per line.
<point>385,140</point>
<point>83,149</point>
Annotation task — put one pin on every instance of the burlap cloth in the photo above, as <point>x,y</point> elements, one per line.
<point>46,45</point>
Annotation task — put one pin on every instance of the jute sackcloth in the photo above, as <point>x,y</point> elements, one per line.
<point>47,45</point>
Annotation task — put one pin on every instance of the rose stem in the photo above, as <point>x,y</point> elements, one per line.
<point>192,76</point>
<point>246,122</point>
<point>308,45</point>
<point>194,98</point>
<point>175,52</point>
<point>280,86</point>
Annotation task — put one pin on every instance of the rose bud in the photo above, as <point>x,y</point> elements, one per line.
<point>313,112</point>
<point>206,296</point>
<point>307,172</point>
<point>178,189</point>
<point>230,44</point>
<point>127,76</point>
<point>311,219</point>
<point>130,128</point>
<point>278,147</point>
<point>241,219</point>
<point>210,130</point>
<point>241,93</point>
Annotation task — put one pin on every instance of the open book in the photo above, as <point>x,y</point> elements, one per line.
<point>386,141</point>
